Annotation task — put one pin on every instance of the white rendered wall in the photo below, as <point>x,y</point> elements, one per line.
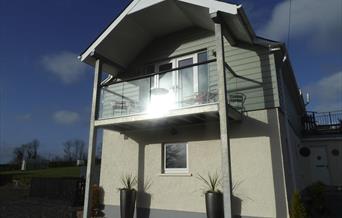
<point>257,168</point>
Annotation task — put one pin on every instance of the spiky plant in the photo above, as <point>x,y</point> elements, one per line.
<point>212,183</point>
<point>129,181</point>
<point>297,209</point>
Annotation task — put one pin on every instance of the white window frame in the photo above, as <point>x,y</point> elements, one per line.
<point>175,74</point>
<point>197,54</point>
<point>175,170</point>
<point>156,77</point>
<point>195,70</point>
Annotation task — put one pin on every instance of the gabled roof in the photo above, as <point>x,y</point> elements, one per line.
<point>145,20</point>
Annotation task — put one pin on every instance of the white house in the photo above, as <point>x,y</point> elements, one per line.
<point>185,87</point>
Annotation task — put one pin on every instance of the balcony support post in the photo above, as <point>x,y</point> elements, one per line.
<point>223,112</point>
<point>92,140</point>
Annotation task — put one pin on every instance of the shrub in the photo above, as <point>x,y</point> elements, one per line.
<point>316,193</point>
<point>95,203</point>
<point>297,209</point>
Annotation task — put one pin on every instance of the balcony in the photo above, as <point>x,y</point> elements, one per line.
<point>322,123</point>
<point>185,94</point>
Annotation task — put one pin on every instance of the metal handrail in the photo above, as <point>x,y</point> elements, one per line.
<point>326,118</point>
<point>322,122</point>
<point>136,104</point>
<point>161,72</point>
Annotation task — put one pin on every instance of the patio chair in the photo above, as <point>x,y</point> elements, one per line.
<point>122,106</point>
<point>237,100</point>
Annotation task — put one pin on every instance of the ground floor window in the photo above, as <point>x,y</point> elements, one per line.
<point>175,157</point>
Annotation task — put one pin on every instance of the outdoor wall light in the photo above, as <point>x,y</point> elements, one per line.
<point>173,131</point>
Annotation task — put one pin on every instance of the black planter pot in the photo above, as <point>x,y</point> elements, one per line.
<point>214,204</point>
<point>127,203</point>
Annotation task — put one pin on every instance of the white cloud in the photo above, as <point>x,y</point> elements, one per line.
<point>326,94</point>
<point>24,117</point>
<point>64,65</point>
<point>66,117</point>
<point>318,22</point>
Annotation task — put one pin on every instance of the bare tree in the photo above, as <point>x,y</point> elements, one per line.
<point>79,149</point>
<point>26,151</point>
<point>57,158</point>
<point>74,150</point>
<point>68,150</point>
<point>18,154</point>
<point>34,146</point>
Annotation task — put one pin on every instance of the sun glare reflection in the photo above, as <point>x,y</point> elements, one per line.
<point>161,103</point>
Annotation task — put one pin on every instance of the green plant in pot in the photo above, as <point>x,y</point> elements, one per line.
<point>213,196</point>
<point>128,196</point>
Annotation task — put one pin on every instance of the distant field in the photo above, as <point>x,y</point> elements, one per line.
<point>50,172</point>
<point>25,176</point>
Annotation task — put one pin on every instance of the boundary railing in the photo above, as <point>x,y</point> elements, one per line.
<point>323,122</point>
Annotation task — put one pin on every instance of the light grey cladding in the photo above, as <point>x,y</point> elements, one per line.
<point>255,75</point>
<point>186,41</point>
<point>254,65</point>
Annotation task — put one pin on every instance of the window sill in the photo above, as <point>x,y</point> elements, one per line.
<point>175,174</point>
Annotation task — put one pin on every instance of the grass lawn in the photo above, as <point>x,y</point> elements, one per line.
<point>25,176</point>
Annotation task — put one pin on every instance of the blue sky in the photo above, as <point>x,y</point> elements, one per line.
<point>45,93</point>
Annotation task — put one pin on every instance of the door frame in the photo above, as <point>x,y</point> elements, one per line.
<point>313,165</point>
<point>156,76</point>
<point>195,71</point>
<point>176,74</point>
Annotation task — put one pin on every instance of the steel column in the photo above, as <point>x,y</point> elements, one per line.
<point>92,141</point>
<point>224,121</point>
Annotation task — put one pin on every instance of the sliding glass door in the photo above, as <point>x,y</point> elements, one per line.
<point>187,80</point>
<point>184,87</point>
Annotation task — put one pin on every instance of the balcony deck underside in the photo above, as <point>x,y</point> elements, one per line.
<point>183,116</point>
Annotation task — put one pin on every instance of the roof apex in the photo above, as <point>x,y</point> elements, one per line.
<point>138,5</point>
